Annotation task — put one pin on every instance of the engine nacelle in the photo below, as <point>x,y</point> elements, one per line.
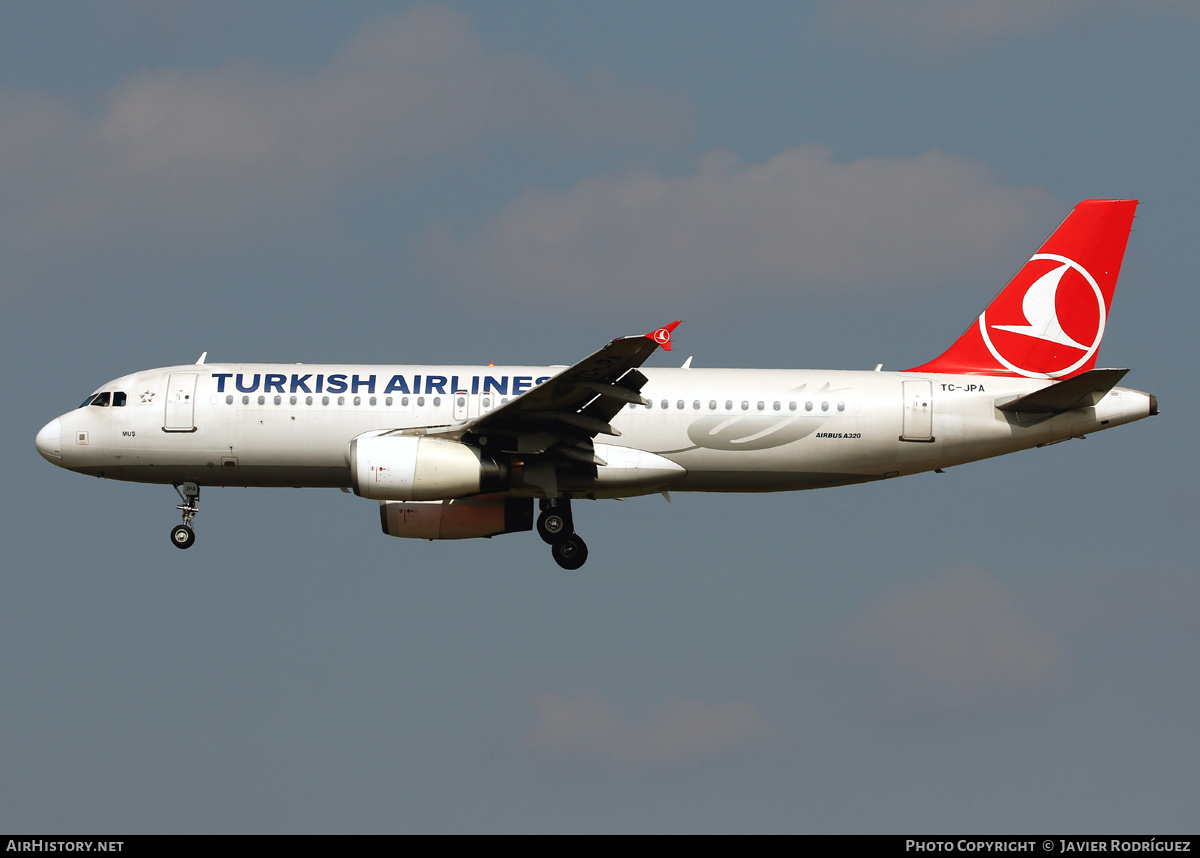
<point>464,518</point>
<point>418,467</point>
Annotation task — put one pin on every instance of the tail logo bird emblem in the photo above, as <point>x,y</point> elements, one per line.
<point>1037,333</point>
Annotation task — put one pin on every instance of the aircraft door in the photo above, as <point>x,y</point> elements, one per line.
<point>181,402</point>
<point>918,411</point>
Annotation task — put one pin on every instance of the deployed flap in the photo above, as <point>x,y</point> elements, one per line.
<point>1082,391</point>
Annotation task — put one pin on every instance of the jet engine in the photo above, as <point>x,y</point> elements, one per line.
<point>463,518</point>
<point>419,468</point>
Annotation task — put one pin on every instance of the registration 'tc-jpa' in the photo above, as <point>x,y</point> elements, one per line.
<point>457,452</point>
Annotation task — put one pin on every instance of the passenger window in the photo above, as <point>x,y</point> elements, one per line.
<point>373,400</point>
<point>762,405</point>
<point>292,401</point>
<point>824,406</point>
<point>420,401</point>
<point>118,399</point>
<point>404,401</point>
<point>341,400</point>
<point>745,405</point>
<point>245,400</point>
<point>308,400</point>
<point>679,405</point>
<point>437,400</point>
<point>324,400</point>
<point>387,401</point>
<point>229,399</point>
<point>712,405</point>
<point>728,404</point>
<point>665,405</point>
<point>262,400</point>
<point>776,406</point>
<point>278,399</point>
<point>808,406</point>
<point>696,405</point>
<point>358,400</point>
<point>841,406</point>
<point>791,406</point>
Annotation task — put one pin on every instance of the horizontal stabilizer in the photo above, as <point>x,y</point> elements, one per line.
<point>1081,391</point>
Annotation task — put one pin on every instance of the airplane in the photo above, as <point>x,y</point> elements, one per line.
<point>458,452</point>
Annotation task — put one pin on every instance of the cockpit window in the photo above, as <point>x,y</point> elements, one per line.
<point>101,399</point>
<point>118,398</point>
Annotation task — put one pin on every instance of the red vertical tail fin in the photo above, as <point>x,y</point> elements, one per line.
<point>1049,320</point>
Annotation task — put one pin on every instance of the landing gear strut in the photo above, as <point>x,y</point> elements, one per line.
<point>182,535</point>
<point>555,522</point>
<point>556,527</point>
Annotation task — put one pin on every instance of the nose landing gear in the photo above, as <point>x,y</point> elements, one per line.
<point>182,535</point>
<point>556,527</point>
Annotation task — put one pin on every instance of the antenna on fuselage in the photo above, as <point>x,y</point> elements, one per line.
<point>200,360</point>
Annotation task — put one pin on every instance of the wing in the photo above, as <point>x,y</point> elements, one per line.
<point>554,423</point>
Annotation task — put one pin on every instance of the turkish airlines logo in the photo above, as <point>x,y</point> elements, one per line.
<point>1050,328</point>
<point>662,336</point>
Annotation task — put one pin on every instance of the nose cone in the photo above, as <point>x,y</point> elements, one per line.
<point>49,442</point>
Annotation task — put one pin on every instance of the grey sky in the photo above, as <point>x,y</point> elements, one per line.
<point>1011,646</point>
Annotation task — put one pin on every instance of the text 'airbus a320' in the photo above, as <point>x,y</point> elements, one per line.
<point>455,452</point>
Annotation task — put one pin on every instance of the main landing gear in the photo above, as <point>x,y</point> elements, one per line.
<point>556,527</point>
<point>182,535</point>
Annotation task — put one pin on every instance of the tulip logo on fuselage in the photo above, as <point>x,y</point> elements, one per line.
<point>1052,327</point>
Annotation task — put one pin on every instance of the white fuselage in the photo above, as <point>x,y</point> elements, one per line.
<point>726,429</point>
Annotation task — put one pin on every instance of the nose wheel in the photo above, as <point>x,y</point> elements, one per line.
<point>556,527</point>
<point>182,535</point>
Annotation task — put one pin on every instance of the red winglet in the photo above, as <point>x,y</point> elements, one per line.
<point>662,336</point>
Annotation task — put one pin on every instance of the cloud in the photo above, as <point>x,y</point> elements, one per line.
<point>582,735</point>
<point>960,645</point>
<point>802,221</point>
<point>404,89</point>
<point>183,161</point>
